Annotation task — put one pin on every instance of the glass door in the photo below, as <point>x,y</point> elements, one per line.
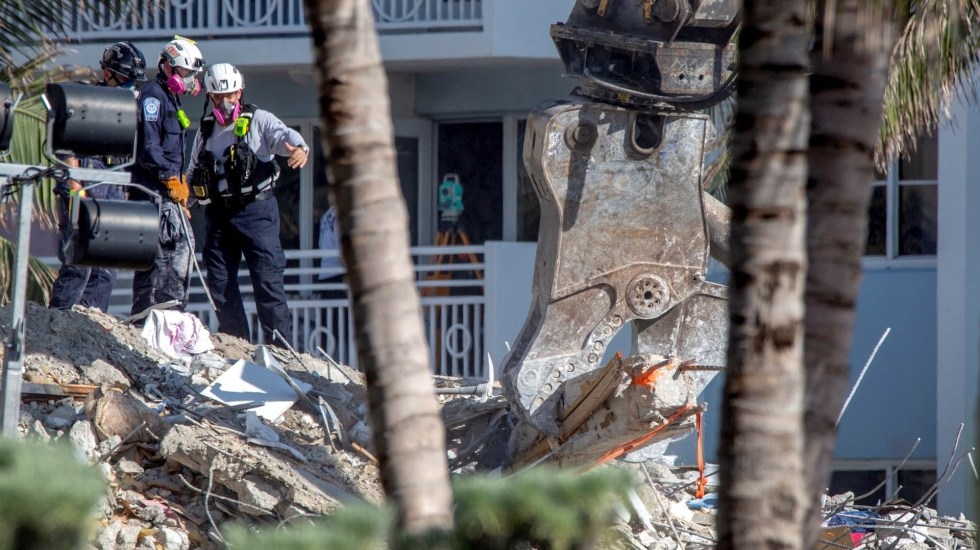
<point>471,152</point>
<point>413,147</point>
<point>303,196</point>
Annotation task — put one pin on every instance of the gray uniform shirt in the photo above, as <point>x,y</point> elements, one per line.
<point>267,137</point>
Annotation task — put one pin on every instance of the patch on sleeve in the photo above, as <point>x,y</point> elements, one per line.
<point>151,109</point>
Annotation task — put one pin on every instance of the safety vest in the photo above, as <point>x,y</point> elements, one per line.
<point>246,175</point>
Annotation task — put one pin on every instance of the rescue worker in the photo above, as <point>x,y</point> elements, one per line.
<point>233,172</point>
<point>160,167</point>
<point>331,267</point>
<point>123,65</point>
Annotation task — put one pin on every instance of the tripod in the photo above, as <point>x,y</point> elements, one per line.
<point>450,233</point>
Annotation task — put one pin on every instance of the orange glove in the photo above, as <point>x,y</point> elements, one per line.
<point>177,189</point>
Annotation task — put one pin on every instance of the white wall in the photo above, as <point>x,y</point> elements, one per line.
<point>509,272</point>
<point>958,300</point>
<point>490,90</point>
<point>514,29</point>
<point>292,94</point>
<point>521,28</point>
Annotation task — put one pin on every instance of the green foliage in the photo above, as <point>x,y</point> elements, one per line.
<point>47,497</point>
<point>361,526</point>
<point>26,148</point>
<point>541,507</point>
<point>936,55</point>
<point>559,510</point>
<point>40,277</point>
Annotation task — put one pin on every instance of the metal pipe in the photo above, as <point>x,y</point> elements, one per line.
<point>13,358</point>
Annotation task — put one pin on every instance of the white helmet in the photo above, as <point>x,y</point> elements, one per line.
<point>222,78</point>
<point>182,52</point>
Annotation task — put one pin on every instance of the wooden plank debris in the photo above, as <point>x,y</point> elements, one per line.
<point>33,391</point>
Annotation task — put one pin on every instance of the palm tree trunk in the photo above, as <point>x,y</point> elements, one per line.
<point>761,499</point>
<point>355,110</point>
<point>850,66</point>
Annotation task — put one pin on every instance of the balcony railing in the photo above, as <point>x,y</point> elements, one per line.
<point>452,299</point>
<point>246,18</point>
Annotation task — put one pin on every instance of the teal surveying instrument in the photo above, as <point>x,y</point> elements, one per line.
<point>450,198</point>
<point>450,210</point>
<point>450,233</point>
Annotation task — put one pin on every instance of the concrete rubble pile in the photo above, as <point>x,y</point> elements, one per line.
<point>664,513</point>
<point>181,465</point>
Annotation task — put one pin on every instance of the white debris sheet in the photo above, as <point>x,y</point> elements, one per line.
<point>246,382</point>
<point>176,333</point>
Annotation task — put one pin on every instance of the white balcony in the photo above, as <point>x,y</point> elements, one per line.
<point>249,18</point>
<point>413,34</point>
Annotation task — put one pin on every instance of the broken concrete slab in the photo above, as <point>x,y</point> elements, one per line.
<point>118,414</point>
<point>262,478</point>
<point>101,373</point>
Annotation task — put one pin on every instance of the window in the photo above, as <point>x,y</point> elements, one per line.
<point>474,152</point>
<point>300,219</point>
<point>882,482</point>
<point>288,193</point>
<point>902,214</point>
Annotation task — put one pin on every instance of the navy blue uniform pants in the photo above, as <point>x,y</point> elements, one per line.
<point>85,286</point>
<point>169,278</point>
<point>252,231</point>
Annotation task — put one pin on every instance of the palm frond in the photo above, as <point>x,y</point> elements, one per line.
<point>24,25</point>
<point>31,35</point>
<point>26,148</point>
<point>931,63</point>
<point>40,277</point>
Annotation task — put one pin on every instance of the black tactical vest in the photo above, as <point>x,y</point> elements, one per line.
<point>247,176</point>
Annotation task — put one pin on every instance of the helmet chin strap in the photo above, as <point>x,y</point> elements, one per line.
<point>219,116</point>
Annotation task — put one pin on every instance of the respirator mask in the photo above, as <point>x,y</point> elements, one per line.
<point>226,112</point>
<point>183,85</point>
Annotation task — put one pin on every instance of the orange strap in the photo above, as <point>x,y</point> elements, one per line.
<point>630,445</point>
<point>702,481</point>
<point>649,377</point>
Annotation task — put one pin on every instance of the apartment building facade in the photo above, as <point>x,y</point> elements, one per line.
<point>463,75</point>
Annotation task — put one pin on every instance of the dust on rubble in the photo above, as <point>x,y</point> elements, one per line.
<point>135,413</point>
<point>180,466</point>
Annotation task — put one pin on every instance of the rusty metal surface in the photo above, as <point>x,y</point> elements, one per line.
<point>623,238</point>
<point>639,415</point>
<point>653,404</point>
<point>663,54</point>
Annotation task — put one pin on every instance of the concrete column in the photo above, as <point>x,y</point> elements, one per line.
<point>958,301</point>
<point>509,275</point>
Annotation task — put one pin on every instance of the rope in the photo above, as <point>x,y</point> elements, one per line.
<point>32,174</point>
<point>702,481</point>
<point>649,378</point>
